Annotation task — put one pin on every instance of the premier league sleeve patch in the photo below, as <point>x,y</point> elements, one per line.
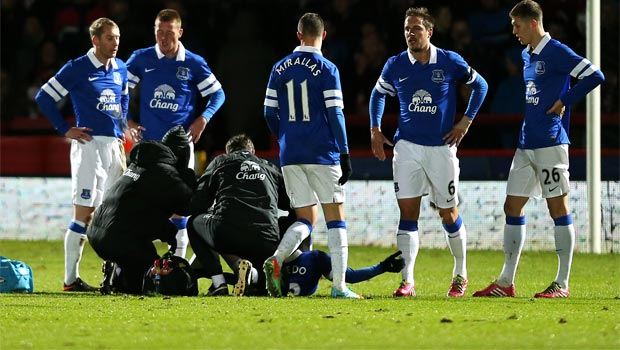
<point>85,194</point>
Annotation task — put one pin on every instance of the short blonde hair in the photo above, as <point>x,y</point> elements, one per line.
<point>97,27</point>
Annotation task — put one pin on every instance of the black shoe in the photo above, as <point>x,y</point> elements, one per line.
<point>220,290</point>
<point>107,285</point>
<point>78,286</point>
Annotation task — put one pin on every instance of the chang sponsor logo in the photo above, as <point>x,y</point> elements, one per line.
<point>163,98</point>
<point>530,91</point>
<point>250,170</point>
<point>107,103</point>
<point>131,174</point>
<point>422,102</point>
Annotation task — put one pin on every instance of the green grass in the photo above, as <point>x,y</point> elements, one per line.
<point>589,319</point>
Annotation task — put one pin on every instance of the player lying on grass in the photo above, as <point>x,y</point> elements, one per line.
<point>302,271</point>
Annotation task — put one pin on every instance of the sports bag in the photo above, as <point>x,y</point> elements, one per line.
<point>15,276</point>
<point>170,275</point>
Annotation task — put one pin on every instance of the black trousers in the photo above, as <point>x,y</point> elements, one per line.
<point>133,257</point>
<point>208,235</point>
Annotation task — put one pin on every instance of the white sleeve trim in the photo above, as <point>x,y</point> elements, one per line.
<point>58,87</point>
<point>579,67</point>
<point>334,103</point>
<point>271,93</point>
<point>271,103</point>
<point>212,89</point>
<point>385,88</point>
<point>50,91</point>
<point>332,93</point>
<point>210,80</point>
<point>472,78</point>
<point>134,78</point>
<point>593,68</point>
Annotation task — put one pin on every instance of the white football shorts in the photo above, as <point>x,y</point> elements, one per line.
<point>95,165</point>
<point>539,172</point>
<point>420,170</point>
<point>306,182</point>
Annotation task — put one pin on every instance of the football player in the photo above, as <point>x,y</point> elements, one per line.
<point>540,164</point>
<point>97,84</point>
<point>425,79</point>
<point>303,109</point>
<point>171,78</point>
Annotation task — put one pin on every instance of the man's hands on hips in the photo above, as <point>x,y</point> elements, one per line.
<point>79,134</point>
<point>455,136</point>
<point>134,130</point>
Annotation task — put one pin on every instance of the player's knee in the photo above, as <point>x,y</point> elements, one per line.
<point>558,207</point>
<point>448,215</point>
<point>512,209</point>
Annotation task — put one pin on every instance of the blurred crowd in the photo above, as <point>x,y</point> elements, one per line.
<point>241,40</point>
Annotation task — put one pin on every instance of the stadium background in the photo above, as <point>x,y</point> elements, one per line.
<point>242,39</point>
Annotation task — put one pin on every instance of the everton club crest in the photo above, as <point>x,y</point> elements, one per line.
<point>540,67</point>
<point>118,80</point>
<point>85,194</point>
<point>438,76</point>
<point>183,73</point>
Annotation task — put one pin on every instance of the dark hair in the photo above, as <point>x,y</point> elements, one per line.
<point>527,9</point>
<point>169,15</point>
<point>311,24</point>
<point>239,142</point>
<point>96,28</point>
<point>422,12</point>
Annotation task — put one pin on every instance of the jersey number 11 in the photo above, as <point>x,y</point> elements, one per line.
<point>290,90</point>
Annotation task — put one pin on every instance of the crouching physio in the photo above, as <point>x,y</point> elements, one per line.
<point>136,211</point>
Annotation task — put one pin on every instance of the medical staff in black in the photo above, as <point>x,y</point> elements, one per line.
<point>137,208</point>
<point>235,213</point>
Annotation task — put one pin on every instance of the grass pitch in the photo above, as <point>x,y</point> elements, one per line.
<point>589,319</point>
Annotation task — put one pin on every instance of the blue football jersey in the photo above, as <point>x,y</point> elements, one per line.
<point>426,93</point>
<point>169,88</point>
<point>100,97</point>
<point>547,72</point>
<point>302,87</point>
<point>303,273</point>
